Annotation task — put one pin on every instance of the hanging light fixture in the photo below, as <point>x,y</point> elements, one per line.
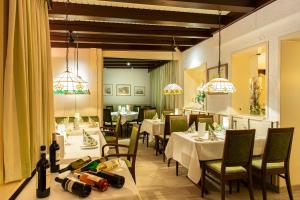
<point>69,83</point>
<point>173,88</point>
<point>219,85</point>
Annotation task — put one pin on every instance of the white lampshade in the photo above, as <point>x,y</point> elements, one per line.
<point>219,86</point>
<point>172,88</point>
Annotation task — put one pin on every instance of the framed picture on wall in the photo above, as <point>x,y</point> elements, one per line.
<point>139,90</point>
<point>108,90</point>
<point>212,72</point>
<point>123,89</point>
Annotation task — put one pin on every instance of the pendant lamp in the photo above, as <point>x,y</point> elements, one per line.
<point>69,83</point>
<point>219,85</point>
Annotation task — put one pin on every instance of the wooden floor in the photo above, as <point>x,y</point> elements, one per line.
<point>157,181</point>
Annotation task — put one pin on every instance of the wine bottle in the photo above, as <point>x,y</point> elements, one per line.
<point>54,155</point>
<point>76,164</point>
<point>91,166</point>
<point>74,186</point>
<point>42,175</point>
<point>114,180</point>
<point>96,182</point>
<point>108,165</point>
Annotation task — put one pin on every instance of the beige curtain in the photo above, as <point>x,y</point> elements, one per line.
<point>159,78</point>
<point>28,102</point>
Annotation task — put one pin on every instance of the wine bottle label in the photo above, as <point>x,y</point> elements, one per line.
<point>93,178</point>
<point>57,156</point>
<point>69,184</point>
<point>48,178</point>
<point>111,164</point>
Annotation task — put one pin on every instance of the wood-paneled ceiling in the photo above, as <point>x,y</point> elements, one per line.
<point>128,63</point>
<point>142,24</point>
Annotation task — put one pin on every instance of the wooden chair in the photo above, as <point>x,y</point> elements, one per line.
<point>275,159</point>
<point>130,156</point>
<point>111,135</point>
<point>148,114</point>
<point>163,139</point>
<point>107,119</point>
<point>236,162</point>
<point>136,108</point>
<point>207,120</point>
<point>193,118</point>
<point>110,107</point>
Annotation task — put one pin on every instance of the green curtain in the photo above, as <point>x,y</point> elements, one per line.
<point>28,104</point>
<point>159,78</point>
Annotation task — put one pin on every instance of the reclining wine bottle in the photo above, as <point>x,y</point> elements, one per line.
<point>96,182</point>
<point>114,180</point>
<point>91,166</point>
<point>75,186</point>
<point>43,175</point>
<point>76,164</point>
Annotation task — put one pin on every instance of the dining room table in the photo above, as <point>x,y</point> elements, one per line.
<point>190,148</point>
<point>128,192</point>
<point>153,127</point>
<point>126,116</point>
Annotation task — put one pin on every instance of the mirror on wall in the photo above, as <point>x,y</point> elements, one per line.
<point>249,75</point>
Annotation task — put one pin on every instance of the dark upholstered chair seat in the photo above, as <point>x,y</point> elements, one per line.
<point>217,166</point>
<point>257,163</point>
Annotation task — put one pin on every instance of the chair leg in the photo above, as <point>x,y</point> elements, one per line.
<point>156,145</point>
<point>222,189</point>
<point>250,185</point>
<point>203,181</point>
<point>169,162</point>
<point>230,187</point>
<point>288,184</point>
<point>238,186</point>
<point>147,138</point>
<point>177,164</point>
<point>143,137</point>
<point>263,186</point>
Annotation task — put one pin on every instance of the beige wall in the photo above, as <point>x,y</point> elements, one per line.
<point>192,80</point>
<point>290,99</point>
<point>90,69</point>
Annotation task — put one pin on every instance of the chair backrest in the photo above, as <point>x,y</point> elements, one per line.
<point>136,108</point>
<point>118,124</point>
<point>178,124</point>
<point>85,118</point>
<point>133,143</point>
<point>141,115</point>
<point>167,112</point>
<point>107,115</point>
<point>208,119</point>
<point>193,118</point>
<point>110,107</point>
<point>167,125</point>
<point>238,148</point>
<point>60,120</point>
<point>149,113</point>
<point>278,145</point>
<point>94,118</point>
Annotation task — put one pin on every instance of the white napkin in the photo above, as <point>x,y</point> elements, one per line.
<point>162,117</point>
<point>201,127</point>
<point>192,128</point>
<point>155,116</point>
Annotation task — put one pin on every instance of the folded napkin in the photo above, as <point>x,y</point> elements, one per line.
<point>162,117</point>
<point>192,128</point>
<point>88,140</point>
<point>201,127</point>
<point>155,116</point>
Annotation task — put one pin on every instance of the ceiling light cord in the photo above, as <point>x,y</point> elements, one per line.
<point>219,64</point>
<point>67,37</point>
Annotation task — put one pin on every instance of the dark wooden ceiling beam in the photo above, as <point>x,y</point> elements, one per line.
<point>115,46</point>
<point>132,15</point>
<point>128,29</point>
<point>240,6</point>
<point>123,40</point>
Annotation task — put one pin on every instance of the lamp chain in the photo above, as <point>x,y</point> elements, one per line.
<point>219,64</point>
<point>67,37</point>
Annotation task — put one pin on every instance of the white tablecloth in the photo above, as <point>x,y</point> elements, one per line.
<point>125,117</point>
<point>183,148</point>
<point>153,127</point>
<point>128,192</point>
<point>74,149</point>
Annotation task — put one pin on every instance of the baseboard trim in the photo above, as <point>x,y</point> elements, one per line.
<point>22,186</point>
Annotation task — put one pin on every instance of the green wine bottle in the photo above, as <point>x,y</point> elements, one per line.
<point>76,164</point>
<point>91,166</point>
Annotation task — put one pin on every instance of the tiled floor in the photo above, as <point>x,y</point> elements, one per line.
<point>158,182</point>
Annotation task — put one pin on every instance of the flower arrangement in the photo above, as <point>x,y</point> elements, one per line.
<point>255,92</point>
<point>200,97</point>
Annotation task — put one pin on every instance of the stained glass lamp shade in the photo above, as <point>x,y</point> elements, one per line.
<point>69,83</point>
<point>219,86</point>
<point>172,89</point>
